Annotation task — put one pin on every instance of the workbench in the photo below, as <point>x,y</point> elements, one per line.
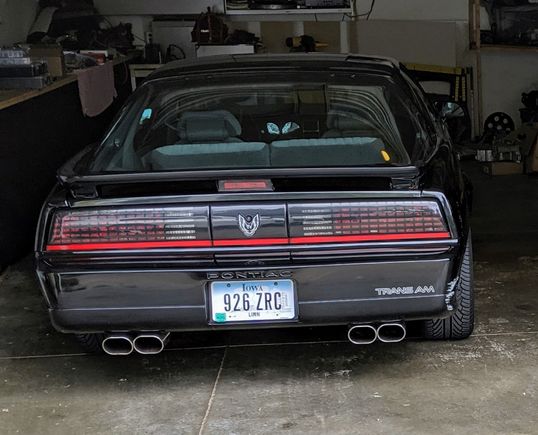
<point>39,131</point>
<point>10,97</point>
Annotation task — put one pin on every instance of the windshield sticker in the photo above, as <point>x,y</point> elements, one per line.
<point>146,114</point>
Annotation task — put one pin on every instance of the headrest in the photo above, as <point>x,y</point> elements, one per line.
<point>211,126</point>
<point>345,122</point>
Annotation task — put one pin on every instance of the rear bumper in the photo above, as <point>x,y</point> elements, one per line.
<point>177,300</point>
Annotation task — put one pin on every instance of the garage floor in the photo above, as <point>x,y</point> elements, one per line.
<point>222,384</point>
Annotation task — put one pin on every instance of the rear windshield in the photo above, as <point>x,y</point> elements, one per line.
<point>172,125</point>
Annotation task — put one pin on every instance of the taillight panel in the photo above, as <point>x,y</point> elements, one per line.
<point>302,224</point>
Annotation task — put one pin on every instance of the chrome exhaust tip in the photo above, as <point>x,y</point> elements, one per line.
<point>118,345</point>
<point>362,334</point>
<point>150,343</point>
<point>391,332</point>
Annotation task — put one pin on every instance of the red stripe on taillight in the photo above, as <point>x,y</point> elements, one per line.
<point>252,242</point>
<point>245,242</point>
<point>129,245</point>
<point>367,238</point>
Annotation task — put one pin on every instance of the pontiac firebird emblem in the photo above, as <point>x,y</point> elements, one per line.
<point>249,225</point>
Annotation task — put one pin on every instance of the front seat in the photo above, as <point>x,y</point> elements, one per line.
<point>345,125</point>
<point>207,127</point>
<point>209,140</point>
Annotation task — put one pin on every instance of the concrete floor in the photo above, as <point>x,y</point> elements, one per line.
<point>225,384</point>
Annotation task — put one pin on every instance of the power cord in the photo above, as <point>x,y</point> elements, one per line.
<point>366,14</point>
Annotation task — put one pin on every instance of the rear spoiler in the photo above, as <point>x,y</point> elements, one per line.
<point>66,176</point>
<point>89,186</point>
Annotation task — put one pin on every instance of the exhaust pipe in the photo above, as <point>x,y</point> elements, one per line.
<point>118,344</point>
<point>362,334</point>
<point>150,343</point>
<point>391,332</point>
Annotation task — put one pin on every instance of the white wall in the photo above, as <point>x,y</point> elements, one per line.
<point>442,10</point>
<point>16,18</point>
<point>425,42</point>
<point>504,77</point>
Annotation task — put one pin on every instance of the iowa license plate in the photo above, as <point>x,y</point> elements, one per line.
<point>251,301</point>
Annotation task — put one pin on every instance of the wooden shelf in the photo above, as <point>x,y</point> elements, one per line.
<point>287,11</point>
<point>10,97</point>
<point>475,34</point>
<point>514,48</point>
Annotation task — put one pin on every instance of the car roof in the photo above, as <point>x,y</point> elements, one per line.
<point>266,62</point>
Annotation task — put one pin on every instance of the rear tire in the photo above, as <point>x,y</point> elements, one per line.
<point>91,342</point>
<point>460,324</point>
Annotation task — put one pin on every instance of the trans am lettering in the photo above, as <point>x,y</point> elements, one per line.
<point>391,291</point>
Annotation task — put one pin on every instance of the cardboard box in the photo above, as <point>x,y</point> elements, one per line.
<point>503,168</point>
<point>53,55</point>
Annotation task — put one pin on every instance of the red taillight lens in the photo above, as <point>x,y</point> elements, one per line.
<point>366,221</point>
<point>165,227</point>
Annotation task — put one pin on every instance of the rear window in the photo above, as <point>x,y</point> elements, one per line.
<point>172,125</point>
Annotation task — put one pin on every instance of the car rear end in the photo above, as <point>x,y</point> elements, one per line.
<point>194,222</point>
<point>186,263</point>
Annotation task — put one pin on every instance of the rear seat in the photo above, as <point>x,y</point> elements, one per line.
<point>212,155</point>
<point>345,151</point>
<point>211,140</point>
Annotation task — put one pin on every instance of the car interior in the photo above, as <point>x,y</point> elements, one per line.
<point>214,138</point>
<point>250,129</point>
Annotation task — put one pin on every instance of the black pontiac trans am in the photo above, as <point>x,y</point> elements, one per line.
<point>259,192</point>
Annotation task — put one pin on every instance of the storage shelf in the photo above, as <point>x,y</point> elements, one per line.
<point>287,11</point>
<point>502,47</point>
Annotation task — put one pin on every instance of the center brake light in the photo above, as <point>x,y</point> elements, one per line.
<point>245,186</point>
<point>188,227</point>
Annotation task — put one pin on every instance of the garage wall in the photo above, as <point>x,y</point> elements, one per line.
<point>443,10</point>
<point>422,31</point>
<point>504,77</point>
<point>141,24</point>
<point>16,18</point>
<point>426,42</point>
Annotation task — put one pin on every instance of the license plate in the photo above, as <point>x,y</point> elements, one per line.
<point>251,301</point>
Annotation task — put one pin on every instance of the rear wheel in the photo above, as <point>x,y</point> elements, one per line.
<point>91,342</point>
<point>460,324</point>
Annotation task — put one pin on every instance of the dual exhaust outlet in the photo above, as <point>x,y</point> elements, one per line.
<point>150,343</point>
<point>154,343</point>
<point>368,334</point>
